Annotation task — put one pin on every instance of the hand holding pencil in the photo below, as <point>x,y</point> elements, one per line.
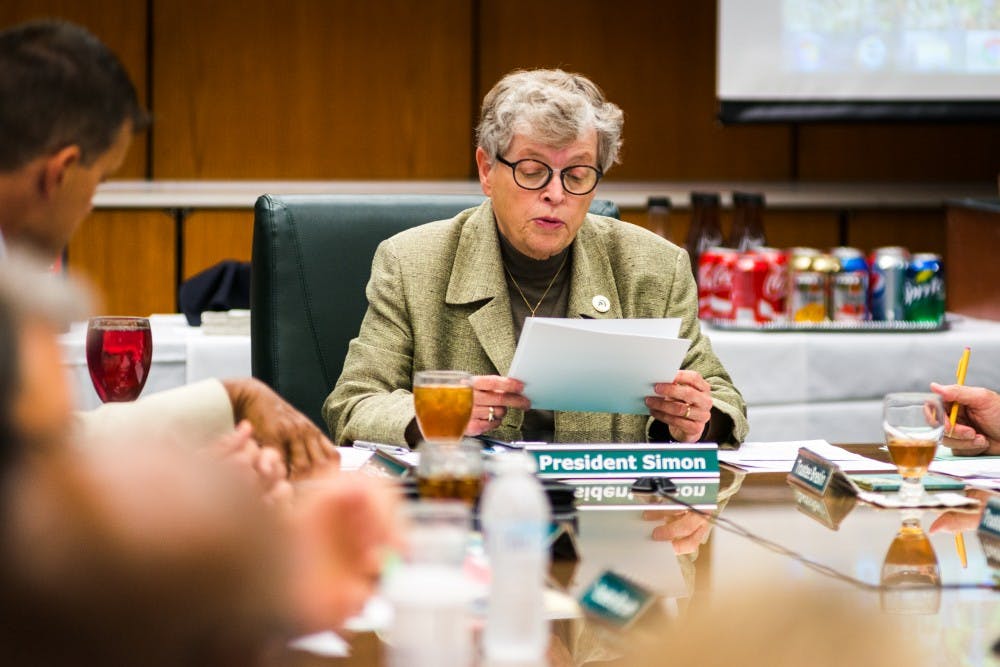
<point>974,427</point>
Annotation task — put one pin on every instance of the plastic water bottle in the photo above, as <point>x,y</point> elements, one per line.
<point>515,516</point>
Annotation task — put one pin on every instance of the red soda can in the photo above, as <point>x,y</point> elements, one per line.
<point>771,305</point>
<point>748,287</point>
<point>715,283</point>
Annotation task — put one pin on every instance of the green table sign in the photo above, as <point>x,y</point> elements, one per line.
<point>615,461</point>
<point>812,471</point>
<point>990,523</point>
<point>615,600</point>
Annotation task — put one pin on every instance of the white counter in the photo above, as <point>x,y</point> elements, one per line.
<point>797,385</point>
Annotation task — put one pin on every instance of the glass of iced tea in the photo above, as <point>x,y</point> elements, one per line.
<point>913,424</point>
<point>450,471</point>
<point>443,402</point>
<point>119,353</point>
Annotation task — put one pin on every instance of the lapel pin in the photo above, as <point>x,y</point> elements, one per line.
<point>601,303</point>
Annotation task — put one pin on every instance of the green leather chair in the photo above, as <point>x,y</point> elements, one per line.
<point>312,256</point>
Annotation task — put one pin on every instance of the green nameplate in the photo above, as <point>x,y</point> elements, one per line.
<point>618,494</point>
<point>614,461</point>
<point>812,471</point>
<point>384,464</point>
<point>990,523</point>
<point>615,600</point>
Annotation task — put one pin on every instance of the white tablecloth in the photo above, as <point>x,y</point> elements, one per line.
<point>181,355</point>
<point>830,385</point>
<point>797,385</point>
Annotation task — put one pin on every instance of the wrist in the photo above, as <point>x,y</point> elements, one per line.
<point>239,391</point>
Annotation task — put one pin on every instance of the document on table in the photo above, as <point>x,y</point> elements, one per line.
<point>596,365</point>
<point>966,467</point>
<point>759,457</point>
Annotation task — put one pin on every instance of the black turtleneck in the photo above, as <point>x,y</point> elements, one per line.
<point>533,277</point>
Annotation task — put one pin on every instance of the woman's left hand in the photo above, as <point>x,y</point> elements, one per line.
<point>684,405</point>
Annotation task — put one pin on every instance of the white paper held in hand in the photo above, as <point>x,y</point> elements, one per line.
<point>582,365</point>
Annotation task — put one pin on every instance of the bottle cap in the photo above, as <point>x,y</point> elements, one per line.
<point>705,199</point>
<point>748,198</point>
<point>513,462</point>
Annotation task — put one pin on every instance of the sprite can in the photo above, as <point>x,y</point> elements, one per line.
<point>923,292</point>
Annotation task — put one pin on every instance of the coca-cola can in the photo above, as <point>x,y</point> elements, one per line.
<point>748,287</point>
<point>771,304</point>
<point>715,283</point>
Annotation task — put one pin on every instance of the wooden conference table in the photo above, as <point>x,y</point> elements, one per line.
<point>950,626</point>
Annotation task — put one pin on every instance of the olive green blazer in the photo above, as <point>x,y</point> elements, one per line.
<point>438,299</point>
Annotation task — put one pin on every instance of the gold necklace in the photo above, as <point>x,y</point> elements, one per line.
<point>544,294</point>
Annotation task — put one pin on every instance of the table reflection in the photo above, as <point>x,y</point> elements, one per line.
<point>744,580</point>
<point>656,548</point>
<point>911,576</point>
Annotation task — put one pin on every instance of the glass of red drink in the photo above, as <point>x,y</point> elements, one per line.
<point>119,353</point>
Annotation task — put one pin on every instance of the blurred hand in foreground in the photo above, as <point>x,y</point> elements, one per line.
<point>278,425</point>
<point>263,468</point>
<point>343,526</point>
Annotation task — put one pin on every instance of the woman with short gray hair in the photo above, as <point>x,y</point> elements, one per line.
<point>454,294</point>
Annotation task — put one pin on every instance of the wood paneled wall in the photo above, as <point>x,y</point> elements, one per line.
<point>656,60</point>
<point>120,24</point>
<point>312,89</point>
<point>318,89</point>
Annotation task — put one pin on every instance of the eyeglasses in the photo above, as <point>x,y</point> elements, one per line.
<point>577,179</point>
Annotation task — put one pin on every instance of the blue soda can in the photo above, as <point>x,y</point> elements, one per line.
<point>923,294</point>
<point>888,276</point>
<point>851,259</point>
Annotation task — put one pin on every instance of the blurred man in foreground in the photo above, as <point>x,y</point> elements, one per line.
<point>117,555</point>
<point>67,115</point>
<point>128,545</point>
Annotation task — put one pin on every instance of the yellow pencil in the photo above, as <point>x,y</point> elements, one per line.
<point>963,367</point>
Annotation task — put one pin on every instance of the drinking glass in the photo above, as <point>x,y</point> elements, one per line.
<point>443,402</point>
<point>452,471</point>
<point>119,352</point>
<point>911,577</point>
<point>429,592</point>
<point>437,532</point>
<point>913,424</point>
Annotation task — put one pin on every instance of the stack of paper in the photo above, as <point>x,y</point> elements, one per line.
<point>755,457</point>
<point>982,471</point>
<point>596,365</point>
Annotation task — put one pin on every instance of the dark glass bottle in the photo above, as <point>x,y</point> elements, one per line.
<point>748,221</point>
<point>658,216</point>
<point>705,232</point>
